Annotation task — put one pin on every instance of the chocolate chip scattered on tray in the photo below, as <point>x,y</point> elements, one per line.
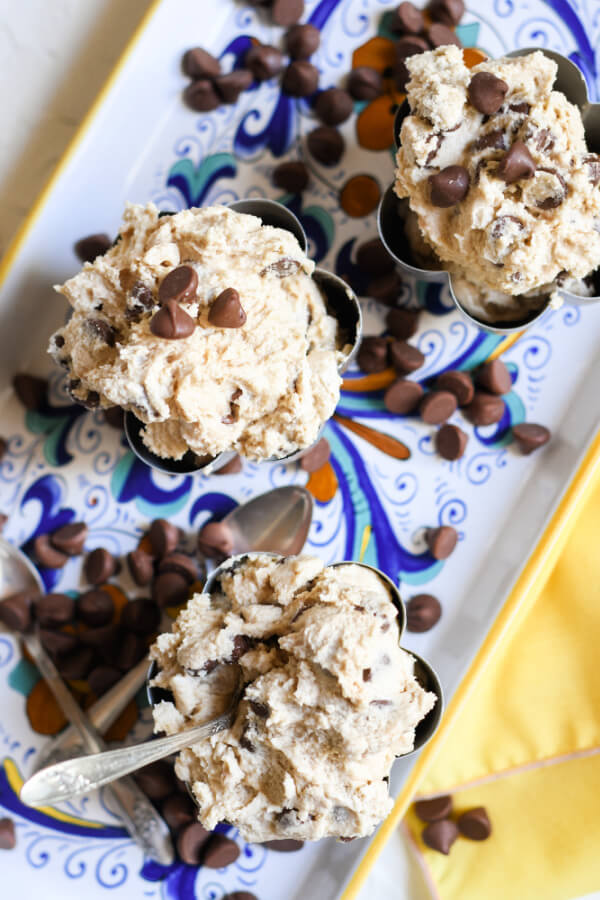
<point>16,610</point>
<point>102,678</point>
<point>240,895</point>
<point>95,608</point>
<point>372,355</point>
<point>8,838</point>
<point>493,376</point>
<point>30,390</point>
<point>157,780</point>
<point>199,63</point>
<point>230,86</point>
<point>94,245</point>
<point>530,436</point>
<point>385,288</point>
<point>484,409</point>
<point>442,541</point>
<point>201,95</point>
<point>285,845</point>
<point>448,12</point>
<point>286,12</point>
<point>451,442</point>
<point>334,106</point>
<point>190,843</point>
<point>405,358</point>
<point>264,61</point>
<point>131,651</point>
<point>170,589</point>
<point>291,176</point>
<point>316,457</point>
<point>326,145</point>
<point>226,310</point>
<point>411,45</point>
<point>178,810</point>
<point>403,396</point>
<point>163,537</point>
<point>365,83</point>
<point>407,19</point>
<point>437,406</point>
<point>70,539</point>
<point>46,555</point>
<point>373,258</point>
<point>423,611</point>
<point>141,615</point>
<point>115,417</point>
<point>475,824</point>
<point>219,851</point>
<point>301,41</point>
<point>403,323</point>
<point>54,610</point>
<point>440,835</point>
<point>76,665</point>
<point>434,809</point>
<point>440,35</point>
<point>99,566</point>
<point>458,383</point>
<point>3,448</point>
<point>58,642</point>
<point>215,540</point>
<point>300,79</point>
<point>235,465</point>
<point>141,566</point>
<point>181,563</point>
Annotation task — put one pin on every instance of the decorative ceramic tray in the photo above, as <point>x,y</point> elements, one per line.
<point>140,143</point>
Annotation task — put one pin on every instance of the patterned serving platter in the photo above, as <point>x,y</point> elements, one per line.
<point>384,484</point>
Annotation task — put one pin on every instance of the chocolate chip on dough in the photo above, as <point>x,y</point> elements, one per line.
<point>518,163</point>
<point>180,284</point>
<point>449,186</point>
<point>226,310</point>
<point>171,322</point>
<point>487,92</point>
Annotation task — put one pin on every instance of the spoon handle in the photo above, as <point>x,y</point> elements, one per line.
<point>86,773</point>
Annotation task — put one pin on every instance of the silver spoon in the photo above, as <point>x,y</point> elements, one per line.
<point>140,818</point>
<point>277,521</point>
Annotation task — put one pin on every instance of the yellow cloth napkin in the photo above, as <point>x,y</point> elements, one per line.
<point>527,746</point>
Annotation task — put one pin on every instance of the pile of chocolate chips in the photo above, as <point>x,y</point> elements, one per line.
<point>441,830</point>
<point>478,394</point>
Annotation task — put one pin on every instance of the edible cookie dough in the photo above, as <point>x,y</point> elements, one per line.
<point>495,166</point>
<point>329,698</point>
<point>207,325</point>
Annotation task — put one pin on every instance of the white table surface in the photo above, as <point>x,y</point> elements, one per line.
<point>54,58</point>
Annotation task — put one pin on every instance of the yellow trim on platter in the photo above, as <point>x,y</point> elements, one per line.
<point>526,589</point>
<point>13,776</point>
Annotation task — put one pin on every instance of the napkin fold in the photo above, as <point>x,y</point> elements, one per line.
<point>527,746</point>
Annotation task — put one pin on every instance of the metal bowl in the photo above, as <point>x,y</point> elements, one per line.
<point>392,211</point>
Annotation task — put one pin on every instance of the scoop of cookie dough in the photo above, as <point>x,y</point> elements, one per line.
<point>329,698</point>
<point>531,212</point>
<point>208,326</point>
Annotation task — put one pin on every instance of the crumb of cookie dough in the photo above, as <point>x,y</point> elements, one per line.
<point>263,389</point>
<point>508,238</point>
<point>329,698</point>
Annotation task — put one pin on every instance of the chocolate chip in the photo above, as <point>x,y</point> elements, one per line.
<point>157,780</point>
<point>70,538</point>
<point>403,396</point>
<point>301,41</point>
<point>326,145</point>
<point>47,555</point>
<point>92,400</point>
<point>99,566</point>
<point>494,377</point>
<point>593,163</point>
<point>423,611</point>
<point>102,678</point>
<point>234,466</point>
<point>402,77</point>
<point>407,19</point>
<point>529,436</point>
<point>449,186</point>
<point>170,589</point>
<point>95,608</point>
<point>366,674</point>
<point>3,448</point>
<point>365,83</point>
<point>58,642</point>
<point>179,810</point>
<point>410,46</point>
<point>215,540</point>
<point>103,331</point>
<point>440,835</point>
<point>373,355</point>
<point>201,96</point>
<point>440,35</point>
<point>105,640</point>
<point>16,609</point>
<point>54,610</point>
<point>300,79</point>
<point>261,709</point>
<point>475,824</point>
<point>405,358</point>
<point>75,666</point>
<point>291,176</point>
<point>544,141</point>
<point>92,246</point>
<point>484,409</point>
<point>458,383</point>
<point>171,322</point>
<point>448,12</point>
<point>521,108</point>
<point>199,63</point>
<point>334,106</point>
<point>434,809</point>
<point>181,563</point>
<point>373,258</point>
<point>441,541</point>
<point>518,163</point>
<point>226,310</point>
<point>132,650</point>
<point>141,615</point>
<point>180,284</point>
<point>240,895</point>
<point>285,845</point>
<point>264,61</point>
<point>219,851</point>
<point>402,323</point>
<point>286,12</point>
<point>315,458</point>
<point>437,406</point>
<point>30,390</point>
<point>495,139</point>
<point>8,839</point>
<point>282,268</point>
<point>553,200</point>
<point>385,288</point>
<point>115,417</point>
<point>163,537</point>
<point>141,566</point>
<point>190,843</point>
<point>230,86</point>
<point>487,92</point>
<point>451,442</point>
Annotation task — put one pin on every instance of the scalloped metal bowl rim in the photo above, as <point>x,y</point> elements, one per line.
<point>441,276</point>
